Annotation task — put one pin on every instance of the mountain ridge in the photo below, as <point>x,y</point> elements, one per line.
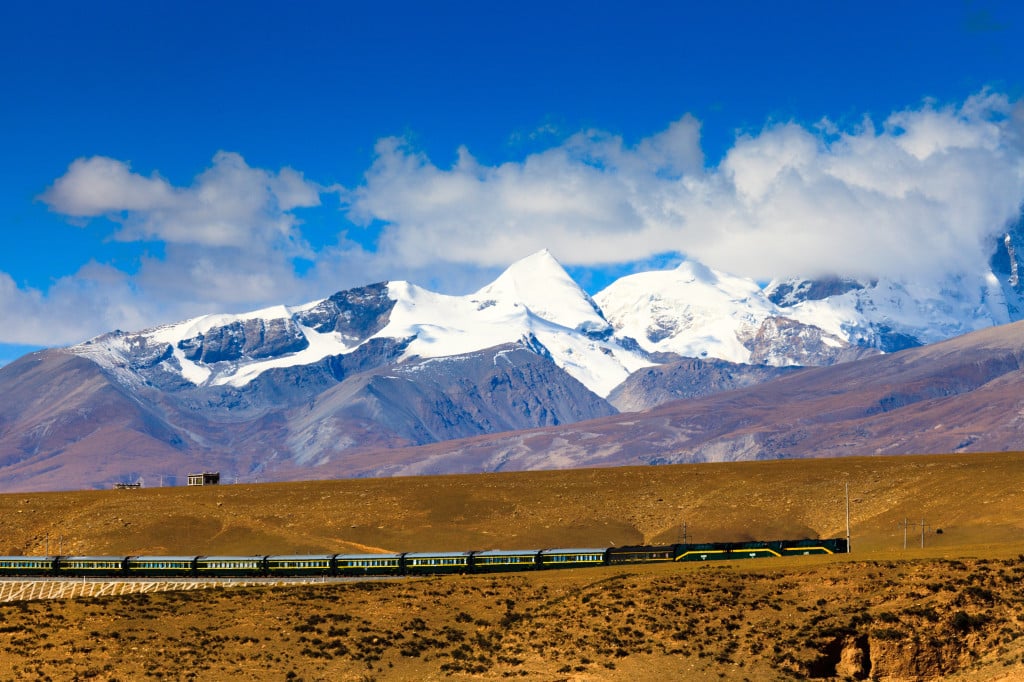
<point>368,373</point>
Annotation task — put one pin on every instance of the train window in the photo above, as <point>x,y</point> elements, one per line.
<point>231,564</point>
<point>506,560</point>
<point>22,564</point>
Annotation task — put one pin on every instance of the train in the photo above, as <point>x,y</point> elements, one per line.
<point>400,564</point>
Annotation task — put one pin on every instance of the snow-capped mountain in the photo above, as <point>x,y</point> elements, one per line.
<point>692,311</point>
<point>381,366</point>
<point>638,321</point>
<point>892,315</point>
<point>533,302</point>
<point>697,312</point>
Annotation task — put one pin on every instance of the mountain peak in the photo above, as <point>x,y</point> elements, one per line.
<point>541,264</point>
<point>691,310</point>
<point>539,282</point>
<point>697,271</point>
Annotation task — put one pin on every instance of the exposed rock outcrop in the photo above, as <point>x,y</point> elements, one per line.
<point>252,339</point>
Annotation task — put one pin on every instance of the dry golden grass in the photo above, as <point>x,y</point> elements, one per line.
<point>977,501</point>
<point>948,610</point>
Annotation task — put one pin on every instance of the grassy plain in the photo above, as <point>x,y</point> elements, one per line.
<point>949,610</point>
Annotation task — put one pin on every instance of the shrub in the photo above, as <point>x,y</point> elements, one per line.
<point>964,622</point>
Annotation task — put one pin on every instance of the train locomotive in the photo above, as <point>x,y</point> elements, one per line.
<point>399,564</point>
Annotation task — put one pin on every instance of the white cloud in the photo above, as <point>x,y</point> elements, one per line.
<point>926,192</point>
<point>585,200</point>
<point>228,205</point>
<point>99,185</point>
<point>96,298</point>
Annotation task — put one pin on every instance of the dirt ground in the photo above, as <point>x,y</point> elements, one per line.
<point>755,620</point>
<point>948,611</point>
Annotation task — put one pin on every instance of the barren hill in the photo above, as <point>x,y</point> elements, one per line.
<point>975,499</point>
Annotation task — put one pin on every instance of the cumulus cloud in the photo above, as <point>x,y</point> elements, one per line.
<point>99,185</point>
<point>585,200</point>
<point>230,204</point>
<point>925,192</point>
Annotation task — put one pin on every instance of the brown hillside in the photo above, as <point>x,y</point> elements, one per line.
<point>973,499</point>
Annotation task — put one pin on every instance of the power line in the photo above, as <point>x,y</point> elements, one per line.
<point>906,527</point>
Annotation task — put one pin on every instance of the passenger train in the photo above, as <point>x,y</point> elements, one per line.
<point>406,563</point>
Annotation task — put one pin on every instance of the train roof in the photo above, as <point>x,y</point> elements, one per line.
<point>575,550</point>
<point>506,552</point>
<point>299,557</point>
<point>92,558</point>
<point>154,557</point>
<point>259,557</point>
<point>443,555</point>
<point>27,558</point>
<point>347,557</point>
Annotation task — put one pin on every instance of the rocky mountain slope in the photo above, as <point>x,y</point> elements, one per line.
<point>961,395</point>
<point>687,379</point>
<point>90,428</point>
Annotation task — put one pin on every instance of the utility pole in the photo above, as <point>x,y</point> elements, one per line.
<point>906,525</point>
<point>682,533</point>
<point>848,547</point>
<point>923,526</point>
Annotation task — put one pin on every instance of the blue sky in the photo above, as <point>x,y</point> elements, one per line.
<point>170,159</point>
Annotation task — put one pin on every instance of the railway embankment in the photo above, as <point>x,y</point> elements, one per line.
<point>34,590</point>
